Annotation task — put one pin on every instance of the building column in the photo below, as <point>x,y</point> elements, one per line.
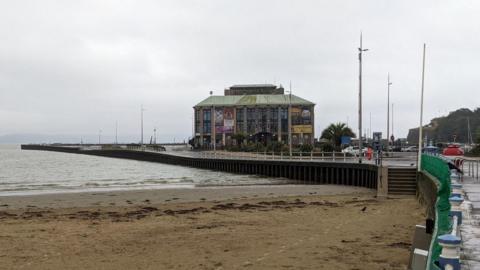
<point>200,116</point>
<point>289,130</point>
<point>256,120</point>
<point>213,136</point>
<point>245,128</point>
<point>279,124</point>
<point>234,120</point>
<point>313,124</point>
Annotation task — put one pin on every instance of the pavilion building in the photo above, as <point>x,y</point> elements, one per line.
<point>262,112</point>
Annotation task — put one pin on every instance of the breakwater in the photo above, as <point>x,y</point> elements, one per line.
<point>305,172</point>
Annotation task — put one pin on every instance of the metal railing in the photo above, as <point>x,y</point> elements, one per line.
<point>305,156</point>
<point>471,167</point>
<point>131,147</point>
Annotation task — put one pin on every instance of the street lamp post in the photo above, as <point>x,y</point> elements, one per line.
<point>360,143</point>
<point>290,121</point>
<point>155,136</point>
<point>420,128</point>
<point>99,137</point>
<point>141,124</point>
<point>388,113</point>
<point>393,130</point>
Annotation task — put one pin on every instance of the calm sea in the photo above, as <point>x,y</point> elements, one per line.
<point>24,172</point>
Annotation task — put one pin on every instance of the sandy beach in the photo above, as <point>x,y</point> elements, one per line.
<point>259,227</point>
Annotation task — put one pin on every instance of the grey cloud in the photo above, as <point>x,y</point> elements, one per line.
<point>74,67</point>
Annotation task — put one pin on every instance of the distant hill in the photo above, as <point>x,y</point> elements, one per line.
<point>443,129</point>
<point>85,138</point>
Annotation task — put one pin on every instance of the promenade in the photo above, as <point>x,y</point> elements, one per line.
<point>471,225</point>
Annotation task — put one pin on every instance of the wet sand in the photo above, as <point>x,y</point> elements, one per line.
<point>270,227</point>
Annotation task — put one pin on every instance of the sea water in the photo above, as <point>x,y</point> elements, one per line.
<point>24,172</point>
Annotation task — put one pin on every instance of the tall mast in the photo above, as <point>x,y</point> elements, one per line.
<point>360,143</point>
<point>388,112</point>
<point>141,124</point>
<point>420,128</point>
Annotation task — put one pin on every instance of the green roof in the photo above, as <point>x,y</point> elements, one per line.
<point>252,100</point>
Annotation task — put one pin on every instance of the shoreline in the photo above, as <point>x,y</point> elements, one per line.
<point>169,195</point>
<point>267,227</point>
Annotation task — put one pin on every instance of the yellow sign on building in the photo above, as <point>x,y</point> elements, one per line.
<point>302,129</point>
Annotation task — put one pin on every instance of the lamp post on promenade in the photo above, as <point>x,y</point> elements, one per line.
<point>290,121</point>
<point>141,124</point>
<point>393,125</point>
<point>388,113</point>
<point>420,128</point>
<point>360,143</point>
<point>155,136</point>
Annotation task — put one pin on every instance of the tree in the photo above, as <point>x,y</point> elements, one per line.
<point>335,132</point>
<point>239,138</point>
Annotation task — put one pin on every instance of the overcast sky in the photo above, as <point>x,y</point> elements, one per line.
<point>75,67</point>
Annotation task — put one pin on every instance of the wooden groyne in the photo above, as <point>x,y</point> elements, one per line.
<point>336,173</point>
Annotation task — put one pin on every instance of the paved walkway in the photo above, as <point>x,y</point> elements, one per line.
<point>401,159</point>
<point>470,229</point>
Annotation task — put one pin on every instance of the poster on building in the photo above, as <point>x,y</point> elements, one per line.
<point>218,117</point>
<point>302,129</point>
<point>218,121</point>
<point>296,116</point>
<point>228,120</point>
<point>306,116</point>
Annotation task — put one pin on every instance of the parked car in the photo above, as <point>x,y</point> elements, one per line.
<point>410,149</point>
<point>353,150</point>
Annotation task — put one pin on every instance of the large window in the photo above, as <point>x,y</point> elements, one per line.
<point>273,120</point>
<point>263,119</point>
<point>207,121</point>
<point>197,121</point>
<point>240,120</point>
<point>284,119</point>
<point>251,119</point>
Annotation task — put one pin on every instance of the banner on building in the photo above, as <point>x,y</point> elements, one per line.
<point>301,116</point>
<point>228,120</point>
<point>218,121</point>
<point>218,117</point>
<point>302,129</point>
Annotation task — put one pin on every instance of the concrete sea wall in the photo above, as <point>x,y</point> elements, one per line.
<point>305,172</point>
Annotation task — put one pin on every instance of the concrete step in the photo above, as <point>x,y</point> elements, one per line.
<point>402,182</point>
<point>402,189</point>
<point>402,172</point>
<point>413,180</point>
<point>402,175</point>
<point>402,192</point>
<point>401,186</point>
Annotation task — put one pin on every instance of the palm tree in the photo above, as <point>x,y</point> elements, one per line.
<point>335,132</point>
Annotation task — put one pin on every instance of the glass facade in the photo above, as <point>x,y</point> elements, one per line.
<point>207,121</point>
<point>251,120</point>
<point>284,119</point>
<point>197,121</point>
<point>240,119</point>
<point>257,122</point>
<point>273,120</point>
<point>263,119</point>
